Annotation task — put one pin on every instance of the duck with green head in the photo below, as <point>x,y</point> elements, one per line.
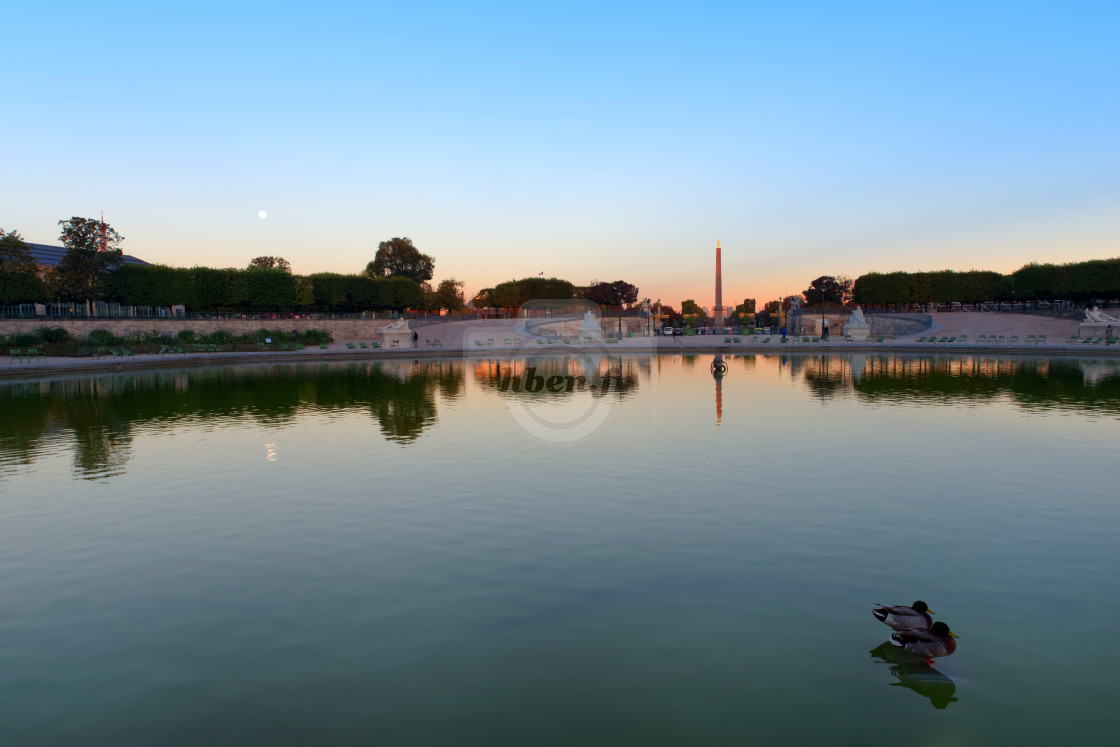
<point>901,617</point>
<point>930,644</point>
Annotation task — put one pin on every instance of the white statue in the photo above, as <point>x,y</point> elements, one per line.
<point>401,325</point>
<point>857,318</point>
<point>1096,316</point>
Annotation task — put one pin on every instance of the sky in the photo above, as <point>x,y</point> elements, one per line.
<point>588,141</point>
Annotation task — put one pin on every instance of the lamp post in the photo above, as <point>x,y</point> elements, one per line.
<point>620,313</point>
<point>648,331</point>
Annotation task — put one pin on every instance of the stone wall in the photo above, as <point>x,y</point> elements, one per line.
<point>340,329</point>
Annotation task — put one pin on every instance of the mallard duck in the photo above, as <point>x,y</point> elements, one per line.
<point>900,617</point>
<point>930,644</point>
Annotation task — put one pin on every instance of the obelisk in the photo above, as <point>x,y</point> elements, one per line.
<point>718,316</point>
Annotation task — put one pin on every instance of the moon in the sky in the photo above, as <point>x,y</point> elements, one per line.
<point>262,214</point>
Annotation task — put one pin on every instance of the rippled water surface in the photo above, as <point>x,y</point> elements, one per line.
<point>592,550</point>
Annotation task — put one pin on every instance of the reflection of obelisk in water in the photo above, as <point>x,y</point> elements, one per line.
<point>718,316</point>
<point>719,400</point>
<point>719,368</point>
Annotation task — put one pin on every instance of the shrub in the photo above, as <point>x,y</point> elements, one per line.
<point>101,338</point>
<point>52,335</point>
<point>23,340</point>
<point>186,335</point>
<point>316,336</point>
<point>218,337</point>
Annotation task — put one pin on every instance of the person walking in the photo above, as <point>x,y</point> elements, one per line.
<point>415,338</point>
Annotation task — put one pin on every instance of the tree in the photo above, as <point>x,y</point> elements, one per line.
<point>19,275</point>
<point>607,294</point>
<point>92,252</point>
<point>398,257</point>
<point>744,312</point>
<point>447,295</point>
<point>693,314</point>
<point>270,263</point>
<point>829,290</point>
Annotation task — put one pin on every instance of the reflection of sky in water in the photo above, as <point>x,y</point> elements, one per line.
<point>413,546</point>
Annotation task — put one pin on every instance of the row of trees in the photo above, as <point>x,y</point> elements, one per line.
<point>93,269</point>
<point>882,289</point>
<point>1081,282</point>
<point>257,289</point>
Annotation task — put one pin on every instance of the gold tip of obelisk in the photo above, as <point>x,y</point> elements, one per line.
<point>717,243</point>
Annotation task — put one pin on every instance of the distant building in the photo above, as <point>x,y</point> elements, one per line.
<point>47,256</point>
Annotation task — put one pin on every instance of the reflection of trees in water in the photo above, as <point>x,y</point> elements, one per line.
<point>24,424</point>
<point>101,413</point>
<point>1034,383</point>
<point>826,375</point>
<point>102,432</point>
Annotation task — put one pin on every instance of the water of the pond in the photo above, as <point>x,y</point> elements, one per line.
<point>451,552</point>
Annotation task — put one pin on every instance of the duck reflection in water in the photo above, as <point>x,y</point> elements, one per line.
<point>913,673</point>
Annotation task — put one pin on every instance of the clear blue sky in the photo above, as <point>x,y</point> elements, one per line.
<point>584,140</point>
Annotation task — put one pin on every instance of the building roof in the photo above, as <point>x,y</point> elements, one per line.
<point>51,256</point>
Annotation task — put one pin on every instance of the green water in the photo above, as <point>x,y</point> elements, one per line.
<point>431,553</point>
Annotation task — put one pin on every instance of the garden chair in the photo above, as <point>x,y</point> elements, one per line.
<point>736,340</point>
<point>490,341</point>
<point>1030,340</point>
<point>363,346</point>
<point>1014,339</point>
<point>16,354</point>
<point>847,338</point>
<point>395,344</point>
<point>351,346</point>
<point>805,339</point>
<point>765,340</point>
<point>816,340</point>
<point>1041,340</point>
